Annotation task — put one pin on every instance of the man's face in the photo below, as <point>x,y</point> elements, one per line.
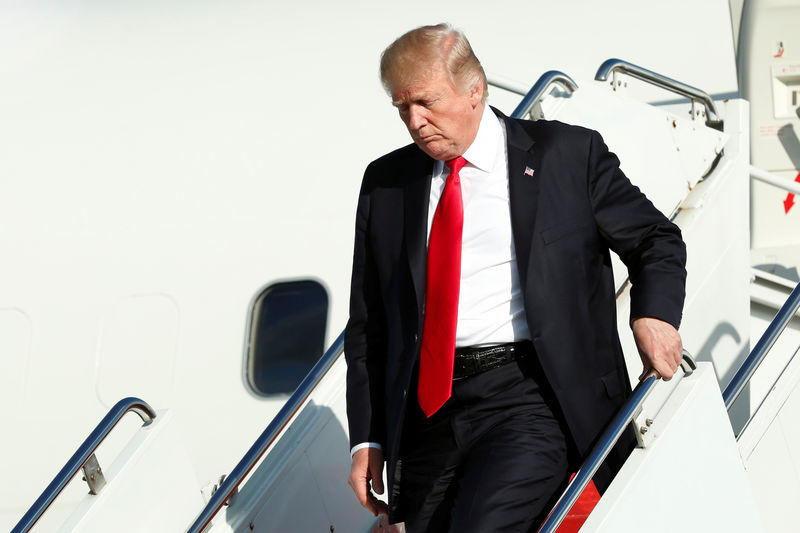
<point>441,118</point>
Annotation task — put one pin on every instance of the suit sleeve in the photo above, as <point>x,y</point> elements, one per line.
<point>364,341</point>
<point>650,245</point>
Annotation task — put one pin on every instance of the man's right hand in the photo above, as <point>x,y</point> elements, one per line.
<point>367,468</point>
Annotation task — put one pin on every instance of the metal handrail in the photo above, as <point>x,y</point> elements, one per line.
<point>773,179</point>
<point>81,455</point>
<point>508,84</point>
<point>762,348</point>
<point>764,399</point>
<point>268,436</point>
<point>611,66</point>
<point>604,446</point>
<point>540,87</point>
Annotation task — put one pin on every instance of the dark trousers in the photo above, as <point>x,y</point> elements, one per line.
<point>492,459</point>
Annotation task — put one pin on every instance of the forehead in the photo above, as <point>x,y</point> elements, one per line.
<point>416,83</point>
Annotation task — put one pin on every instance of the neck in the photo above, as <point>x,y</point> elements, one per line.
<point>476,122</point>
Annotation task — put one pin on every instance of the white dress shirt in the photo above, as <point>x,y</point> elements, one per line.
<point>490,307</point>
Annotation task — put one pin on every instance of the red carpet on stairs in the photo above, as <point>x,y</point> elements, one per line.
<point>581,510</point>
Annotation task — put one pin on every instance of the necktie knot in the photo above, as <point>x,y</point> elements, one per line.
<point>455,165</point>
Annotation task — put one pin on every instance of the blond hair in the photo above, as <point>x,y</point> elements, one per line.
<point>425,49</point>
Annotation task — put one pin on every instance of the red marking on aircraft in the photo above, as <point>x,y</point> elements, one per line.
<point>789,202</point>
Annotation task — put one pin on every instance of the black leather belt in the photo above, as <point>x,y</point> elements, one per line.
<point>469,361</point>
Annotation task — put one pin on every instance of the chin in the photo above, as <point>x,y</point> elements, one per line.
<point>441,155</point>
<point>432,153</point>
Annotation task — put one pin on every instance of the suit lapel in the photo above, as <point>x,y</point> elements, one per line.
<point>524,175</point>
<point>416,196</point>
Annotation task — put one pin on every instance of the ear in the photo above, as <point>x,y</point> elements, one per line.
<point>476,94</point>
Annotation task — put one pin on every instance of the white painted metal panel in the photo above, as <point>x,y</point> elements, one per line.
<point>774,478</point>
<point>301,485</point>
<point>770,444</point>
<point>690,479</point>
<point>151,486</point>
<point>769,74</point>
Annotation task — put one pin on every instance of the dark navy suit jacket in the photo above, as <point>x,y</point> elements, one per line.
<point>565,218</point>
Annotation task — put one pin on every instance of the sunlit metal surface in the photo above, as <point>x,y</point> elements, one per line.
<point>613,65</point>
<point>84,452</point>
<point>545,81</point>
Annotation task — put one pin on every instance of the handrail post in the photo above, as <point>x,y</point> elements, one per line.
<point>81,456</point>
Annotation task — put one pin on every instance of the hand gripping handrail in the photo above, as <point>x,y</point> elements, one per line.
<point>84,452</point>
<point>544,82</point>
<point>611,66</point>
<point>762,348</point>
<point>269,436</point>
<point>604,446</point>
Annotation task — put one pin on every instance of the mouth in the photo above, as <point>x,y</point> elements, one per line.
<point>430,138</point>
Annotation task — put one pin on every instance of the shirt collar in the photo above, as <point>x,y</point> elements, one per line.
<point>482,153</point>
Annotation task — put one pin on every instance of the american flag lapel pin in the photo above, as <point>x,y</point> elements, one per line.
<point>528,171</point>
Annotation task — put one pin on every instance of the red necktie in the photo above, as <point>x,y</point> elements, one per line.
<point>441,300</point>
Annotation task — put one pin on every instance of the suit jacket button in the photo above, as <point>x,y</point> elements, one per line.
<point>405,393</point>
<point>416,337</point>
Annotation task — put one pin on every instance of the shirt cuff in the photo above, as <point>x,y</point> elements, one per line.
<point>364,445</point>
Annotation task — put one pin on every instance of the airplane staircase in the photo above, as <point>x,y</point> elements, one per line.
<point>149,486</point>
<point>689,472</point>
<point>684,427</point>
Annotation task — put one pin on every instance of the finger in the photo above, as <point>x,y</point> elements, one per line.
<point>371,505</point>
<point>377,483</point>
<point>359,486</point>
<point>382,507</point>
<point>363,495</point>
<point>376,472</point>
<point>675,360</point>
<point>377,506</point>
<point>665,369</point>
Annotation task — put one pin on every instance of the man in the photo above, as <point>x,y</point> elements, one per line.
<point>483,358</point>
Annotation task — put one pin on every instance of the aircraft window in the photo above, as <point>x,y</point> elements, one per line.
<point>287,335</point>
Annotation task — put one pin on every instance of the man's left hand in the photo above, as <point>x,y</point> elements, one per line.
<point>659,345</point>
<point>367,471</point>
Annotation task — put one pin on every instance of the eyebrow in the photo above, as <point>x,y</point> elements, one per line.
<point>421,97</point>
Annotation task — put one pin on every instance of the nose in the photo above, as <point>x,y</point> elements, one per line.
<point>416,117</point>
